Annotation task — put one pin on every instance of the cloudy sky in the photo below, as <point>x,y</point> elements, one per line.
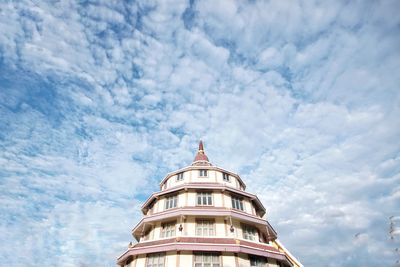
<point>99,100</point>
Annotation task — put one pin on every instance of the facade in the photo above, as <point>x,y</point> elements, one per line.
<point>203,217</point>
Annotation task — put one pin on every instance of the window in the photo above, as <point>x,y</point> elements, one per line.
<point>147,233</point>
<point>206,260</point>
<point>205,228</point>
<point>204,198</point>
<point>257,261</point>
<point>129,260</point>
<point>171,202</point>
<point>225,177</point>
<point>203,173</point>
<point>249,232</point>
<point>155,260</point>
<point>179,176</point>
<point>168,229</point>
<point>237,203</point>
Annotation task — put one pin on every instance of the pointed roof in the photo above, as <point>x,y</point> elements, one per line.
<point>201,158</point>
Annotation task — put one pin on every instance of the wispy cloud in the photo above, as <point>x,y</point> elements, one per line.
<point>99,101</point>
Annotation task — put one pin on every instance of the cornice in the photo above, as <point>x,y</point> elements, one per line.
<point>212,167</point>
<point>199,185</point>
<point>203,211</point>
<point>205,244</point>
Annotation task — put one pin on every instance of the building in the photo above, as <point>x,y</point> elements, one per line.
<point>203,217</point>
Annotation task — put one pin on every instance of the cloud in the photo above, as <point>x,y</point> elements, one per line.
<point>99,101</point>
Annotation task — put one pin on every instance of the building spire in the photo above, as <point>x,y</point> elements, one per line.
<point>201,158</point>
<point>201,148</point>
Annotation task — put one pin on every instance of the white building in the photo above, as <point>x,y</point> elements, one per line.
<point>203,217</point>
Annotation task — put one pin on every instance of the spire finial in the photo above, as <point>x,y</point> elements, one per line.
<point>201,148</point>
<point>201,157</point>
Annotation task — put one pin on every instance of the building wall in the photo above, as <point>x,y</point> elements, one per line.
<point>186,259</point>
<point>170,259</point>
<point>140,261</point>
<point>188,199</point>
<point>192,176</point>
<point>152,226</point>
<point>228,260</point>
<point>221,228</point>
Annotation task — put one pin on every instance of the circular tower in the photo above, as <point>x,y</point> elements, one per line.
<point>203,217</point>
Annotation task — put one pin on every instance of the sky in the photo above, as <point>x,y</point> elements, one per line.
<point>99,100</point>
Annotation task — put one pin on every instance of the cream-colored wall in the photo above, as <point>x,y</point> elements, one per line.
<point>228,260</point>
<point>191,198</point>
<point>170,258</point>
<point>188,199</point>
<point>181,200</point>
<point>189,227</point>
<point>217,199</point>
<point>226,199</point>
<point>185,259</point>
<point>214,176</point>
<point>156,231</point>
<point>243,260</point>
<point>247,206</point>
<point>237,232</point>
<point>221,227</point>
<point>156,207</point>
<point>140,261</point>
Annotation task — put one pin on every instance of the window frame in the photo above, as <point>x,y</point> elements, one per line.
<point>203,262</point>
<point>179,177</point>
<point>171,202</point>
<point>205,226</point>
<point>226,177</point>
<point>205,195</point>
<point>260,261</point>
<point>129,260</point>
<point>171,225</point>
<point>146,235</point>
<point>237,203</point>
<point>152,256</point>
<point>249,232</point>
<point>203,173</point>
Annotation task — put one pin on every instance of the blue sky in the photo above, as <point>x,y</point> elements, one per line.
<point>100,99</point>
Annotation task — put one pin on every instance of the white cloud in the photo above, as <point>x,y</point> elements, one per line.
<point>98,102</point>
